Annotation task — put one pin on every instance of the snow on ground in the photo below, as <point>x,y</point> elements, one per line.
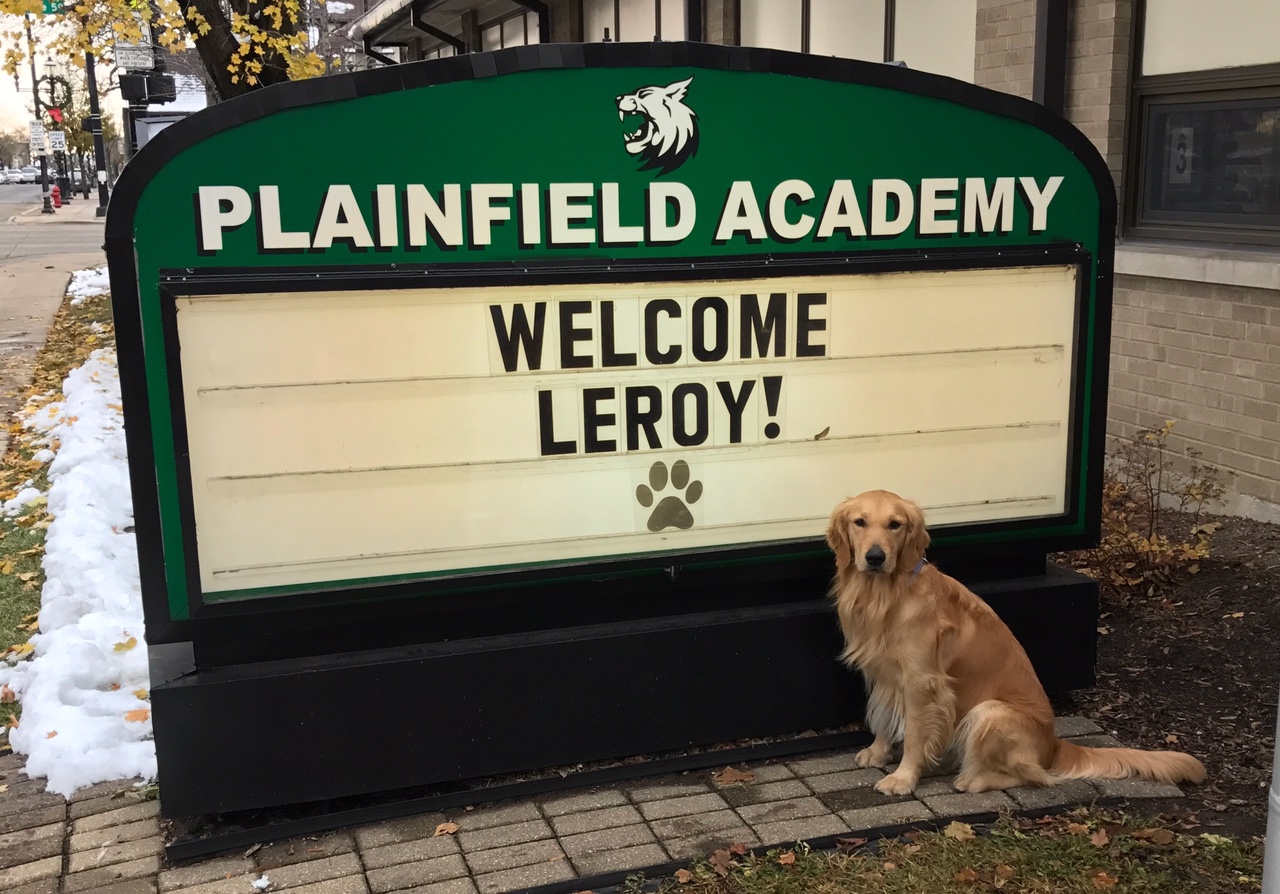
<point>84,714</point>
<point>87,284</point>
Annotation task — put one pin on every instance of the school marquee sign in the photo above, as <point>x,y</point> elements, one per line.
<point>596,316</point>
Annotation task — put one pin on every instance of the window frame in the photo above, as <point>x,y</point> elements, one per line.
<point>1222,86</point>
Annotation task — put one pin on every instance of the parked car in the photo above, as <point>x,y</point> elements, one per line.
<point>13,175</point>
<point>30,174</point>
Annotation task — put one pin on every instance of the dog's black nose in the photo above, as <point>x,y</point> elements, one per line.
<point>875,557</point>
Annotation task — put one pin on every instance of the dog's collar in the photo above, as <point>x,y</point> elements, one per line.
<point>920,565</point>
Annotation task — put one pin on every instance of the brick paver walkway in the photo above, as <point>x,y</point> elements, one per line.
<point>104,840</point>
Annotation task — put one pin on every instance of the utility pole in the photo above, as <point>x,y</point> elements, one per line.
<point>95,127</point>
<point>46,206</point>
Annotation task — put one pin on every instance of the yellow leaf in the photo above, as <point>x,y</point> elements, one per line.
<point>445,829</point>
<point>3,789</point>
<point>12,723</point>
<point>137,715</point>
<point>1077,828</point>
<point>959,831</point>
<point>23,648</point>
<point>28,575</point>
<point>142,694</point>
<point>126,645</point>
<point>6,567</point>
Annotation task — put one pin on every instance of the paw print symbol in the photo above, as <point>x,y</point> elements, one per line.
<point>672,511</point>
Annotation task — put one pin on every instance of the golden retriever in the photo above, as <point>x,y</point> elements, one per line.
<point>944,674</point>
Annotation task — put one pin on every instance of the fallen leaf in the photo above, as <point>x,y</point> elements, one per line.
<point>787,859</point>
<point>911,835</point>
<point>137,715</point>
<point>1171,739</point>
<point>6,567</point>
<point>113,687</point>
<point>684,876</point>
<point>959,831</point>
<point>911,849</point>
<point>721,862</point>
<point>27,576</point>
<point>1104,880</point>
<point>50,734</point>
<point>731,776</point>
<point>445,829</point>
<point>1004,871</point>
<point>4,788</point>
<point>968,875</point>
<point>890,866</point>
<point>822,434</point>
<point>1155,836</point>
<point>1077,828</point>
<point>1231,615</point>
<point>850,843</point>
<point>22,649</point>
<point>1100,838</point>
<point>738,849</point>
<point>12,723</point>
<point>142,694</point>
<point>6,694</point>
<point>126,645</point>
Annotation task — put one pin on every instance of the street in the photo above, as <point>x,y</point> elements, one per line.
<point>44,241</point>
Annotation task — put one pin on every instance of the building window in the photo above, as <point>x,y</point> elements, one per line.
<point>516,29</point>
<point>633,20</point>
<point>923,34</point>
<point>1206,137</point>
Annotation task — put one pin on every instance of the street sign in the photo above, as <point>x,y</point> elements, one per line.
<point>57,141</point>
<point>132,57</point>
<point>52,7</point>
<point>37,139</point>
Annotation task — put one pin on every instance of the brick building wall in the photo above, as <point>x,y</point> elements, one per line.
<point>1004,49</point>
<point>1098,65</point>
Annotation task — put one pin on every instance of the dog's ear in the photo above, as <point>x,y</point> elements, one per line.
<point>917,539</point>
<point>838,536</point>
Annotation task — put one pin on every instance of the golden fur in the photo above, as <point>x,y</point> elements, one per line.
<point>944,674</point>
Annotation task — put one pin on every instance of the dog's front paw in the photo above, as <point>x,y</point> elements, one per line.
<point>872,757</point>
<point>897,783</point>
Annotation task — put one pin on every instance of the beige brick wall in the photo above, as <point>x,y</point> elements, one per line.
<point>1098,43</point>
<point>1207,357</point>
<point>1004,51</point>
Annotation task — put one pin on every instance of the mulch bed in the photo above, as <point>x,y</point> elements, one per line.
<point>1196,667</point>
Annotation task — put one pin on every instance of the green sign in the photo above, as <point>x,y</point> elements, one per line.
<point>578,320</point>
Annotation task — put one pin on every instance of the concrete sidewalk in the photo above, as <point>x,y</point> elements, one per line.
<point>106,840</point>
<point>78,211</point>
<point>31,291</point>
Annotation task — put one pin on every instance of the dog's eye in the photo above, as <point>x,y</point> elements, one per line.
<point>894,525</point>
<point>860,522</point>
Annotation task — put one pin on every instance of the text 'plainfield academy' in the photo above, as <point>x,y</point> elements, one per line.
<point>565,215</point>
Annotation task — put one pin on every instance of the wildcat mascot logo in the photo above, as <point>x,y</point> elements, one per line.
<point>667,135</point>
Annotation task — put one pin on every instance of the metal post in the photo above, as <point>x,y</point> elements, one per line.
<point>1271,857</point>
<point>95,125</point>
<point>46,206</point>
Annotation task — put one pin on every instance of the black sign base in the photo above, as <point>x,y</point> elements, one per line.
<point>285,732</point>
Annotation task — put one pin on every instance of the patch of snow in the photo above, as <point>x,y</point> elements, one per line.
<point>84,715</point>
<point>22,498</point>
<point>261,883</point>
<point>86,284</point>
<point>338,7</point>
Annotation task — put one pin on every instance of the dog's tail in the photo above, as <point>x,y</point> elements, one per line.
<point>1077,762</point>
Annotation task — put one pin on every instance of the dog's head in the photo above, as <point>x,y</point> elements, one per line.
<point>877,532</point>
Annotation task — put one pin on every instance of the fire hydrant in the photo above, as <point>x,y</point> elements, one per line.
<point>56,195</point>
